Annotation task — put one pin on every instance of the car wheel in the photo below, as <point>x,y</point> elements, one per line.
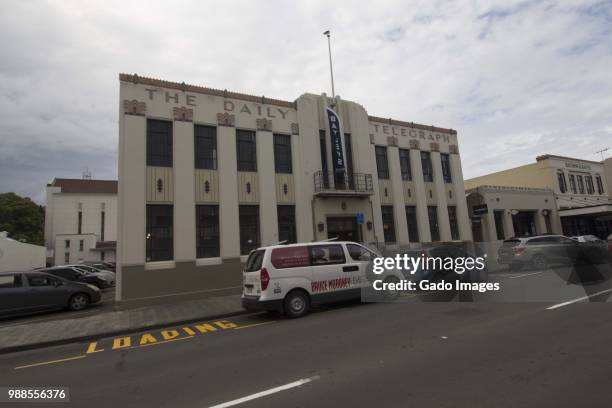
<point>296,304</point>
<point>539,262</point>
<point>78,301</point>
<point>391,294</point>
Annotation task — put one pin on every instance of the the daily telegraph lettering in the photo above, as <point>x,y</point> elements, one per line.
<point>409,132</point>
<point>228,106</point>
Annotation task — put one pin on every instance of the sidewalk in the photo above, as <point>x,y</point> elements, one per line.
<point>51,333</point>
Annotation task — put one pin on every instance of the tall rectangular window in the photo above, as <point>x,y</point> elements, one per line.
<point>434,228</point>
<point>81,245</point>
<point>446,167</point>
<point>452,220</point>
<point>324,166</point>
<point>572,181</point>
<point>205,147</point>
<point>67,244</point>
<point>580,184</point>
<point>67,258</point>
<point>159,143</point>
<point>286,223</point>
<point>248,219</point>
<point>388,223</point>
<point>102,222</point>
<point>561,180</point>
<point>282,154</point>
<point>404,157</point>
<point>600,187</point>
<point>382,165</point>
<point>427,166</point>
<point>246,150</point>
<point>207,231</point>
<point>348,147</point>
<point>590,187</point>
<point>160,243</point>
<point>80,223</point>
<point>412,223</point>
<point>499,224</point>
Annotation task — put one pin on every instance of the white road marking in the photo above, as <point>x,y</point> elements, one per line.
<point>266,392</point>
<point>525,274</point>
<point>569,302</point>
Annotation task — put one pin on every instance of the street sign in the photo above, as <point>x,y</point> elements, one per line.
<point>360,218</point>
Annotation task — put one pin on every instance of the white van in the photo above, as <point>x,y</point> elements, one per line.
<point>291,278</point>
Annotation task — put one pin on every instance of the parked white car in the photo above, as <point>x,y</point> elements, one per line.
<point>292,278</point>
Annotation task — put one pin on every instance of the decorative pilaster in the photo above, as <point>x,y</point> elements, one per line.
<point>295,129</point>
<point>134,107</point>
<point>453,149</point>
<point>264,124</point>
<point>226,119</point>
<point>414,144</point>
<point>183,114</point>
<point>392,141</point>
<point>434,146</point>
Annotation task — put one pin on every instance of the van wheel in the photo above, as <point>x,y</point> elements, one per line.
<point>78,301</point>
<point>296,304</point>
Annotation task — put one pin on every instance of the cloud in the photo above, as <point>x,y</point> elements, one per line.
<point>517,79</point>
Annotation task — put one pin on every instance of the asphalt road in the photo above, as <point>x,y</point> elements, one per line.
<point>413,354</point>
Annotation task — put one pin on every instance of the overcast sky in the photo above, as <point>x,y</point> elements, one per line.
<point>516,79</point>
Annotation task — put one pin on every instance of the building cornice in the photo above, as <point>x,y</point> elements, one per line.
<point>552,156</point>
<point>432,128</point>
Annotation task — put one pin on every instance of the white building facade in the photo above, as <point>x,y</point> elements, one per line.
<point>207,175</point>
<point>81,221</point>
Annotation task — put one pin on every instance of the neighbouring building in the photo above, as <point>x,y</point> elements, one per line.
<point>19,256</point>
<point>580,187</point>
<point>81,221</point>
<point>206,176</point>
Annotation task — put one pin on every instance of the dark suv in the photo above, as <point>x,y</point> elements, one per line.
<point>540,251</point>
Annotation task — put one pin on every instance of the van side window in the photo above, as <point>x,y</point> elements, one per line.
<point>10,281</point>
<point>290,257</point>
<point>359,253</point>
<point>326,255</point>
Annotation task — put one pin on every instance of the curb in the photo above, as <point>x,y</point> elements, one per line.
<point>75,339</point>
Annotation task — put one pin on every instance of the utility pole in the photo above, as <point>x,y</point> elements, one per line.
<point>602,151</point>
<point>331,69</point>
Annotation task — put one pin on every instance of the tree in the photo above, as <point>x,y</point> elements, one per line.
<point>23,219</point>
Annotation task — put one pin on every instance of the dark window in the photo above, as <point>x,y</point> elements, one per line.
<point>572,181</point>
<point>10,281</point>
<point>388,223</point>
<point>324,166</point>
<point>359,253</point>
<point>80,223</point>
<point>382,164</point>
<point>102,221</point>
<point>446,167</point>
<point>412,223</point>
<point>286,223</point>
<point>67,258</point>
<point>452,220</point>
<point>246,150</point>
<point>67,243</point>
<point>81,244</point>
<point>282,154</point>
<point>159,143</point>
<point>254,261</point>
<point>600,187</point>
<point>249,228</point>
<point>432,212</point>
<point>404,157</point>
<point>499,224</point>
<point>427,166</point>
<point>160,244</point>
<point>66,274</point>
<point>40,280</point>
<point>326,255</point>
<point>207,231</point>
<point>580,184</point>
<point>589,184</point>
<point>102,255</point>
<point>205,147</point>
<point>348,147</point>
<point>561,180</point>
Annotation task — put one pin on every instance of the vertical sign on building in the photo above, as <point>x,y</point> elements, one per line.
<point>337,141</point>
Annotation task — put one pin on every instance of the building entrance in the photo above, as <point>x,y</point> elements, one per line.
<point>344,228</point>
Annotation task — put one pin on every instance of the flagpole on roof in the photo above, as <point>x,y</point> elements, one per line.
<point>331,69</point>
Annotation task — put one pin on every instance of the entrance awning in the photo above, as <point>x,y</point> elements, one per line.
<point>604,210</point>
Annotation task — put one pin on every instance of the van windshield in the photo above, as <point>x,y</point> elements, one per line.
<point>254,262</point>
